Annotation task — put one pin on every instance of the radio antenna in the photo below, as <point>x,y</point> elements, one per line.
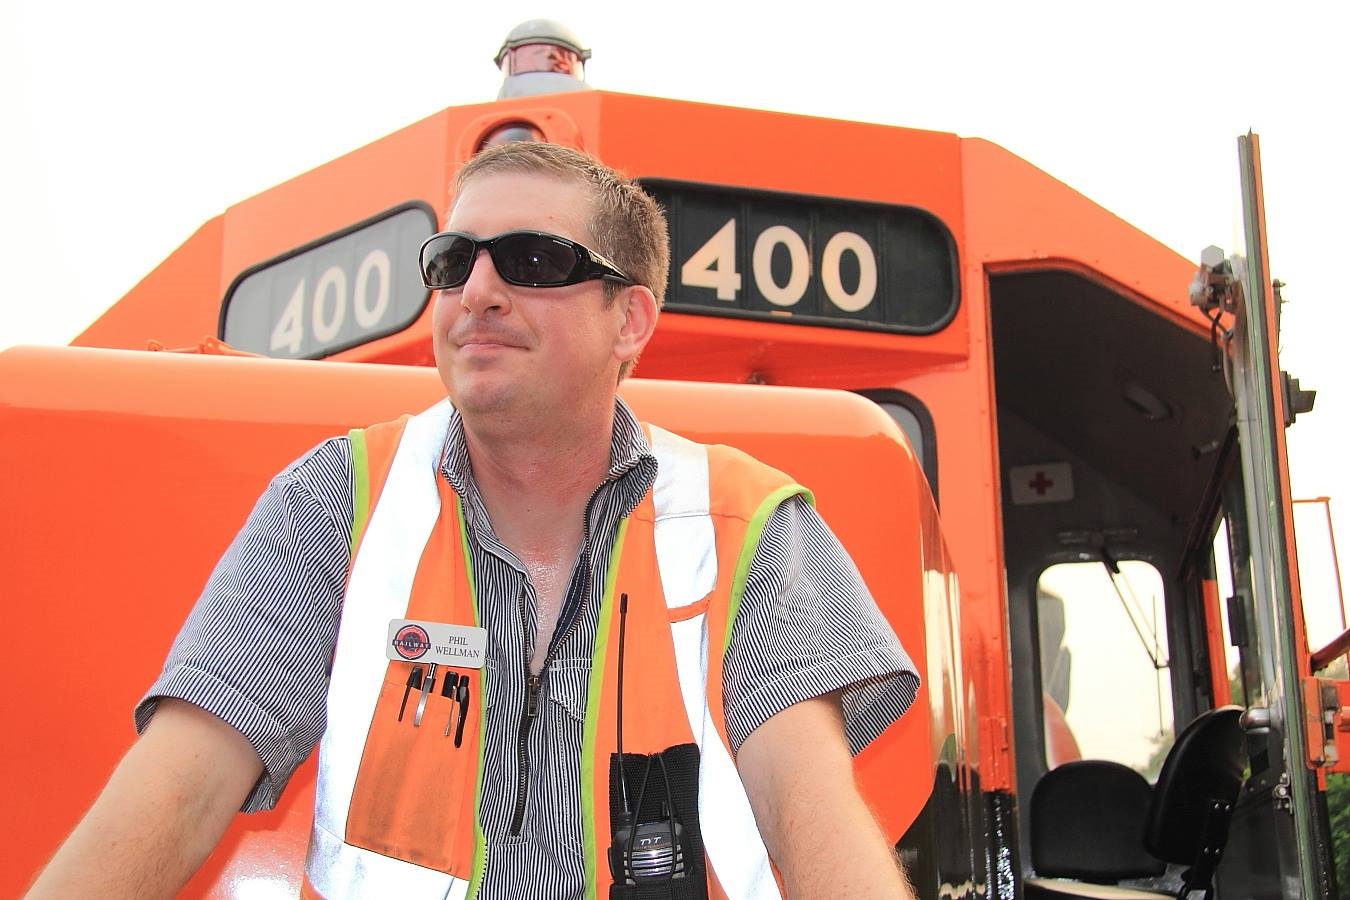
<point>618,737</point>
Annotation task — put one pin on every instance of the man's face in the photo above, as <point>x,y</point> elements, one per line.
<point>519,351</point>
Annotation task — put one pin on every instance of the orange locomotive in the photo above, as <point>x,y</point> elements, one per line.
<point>984,317</point>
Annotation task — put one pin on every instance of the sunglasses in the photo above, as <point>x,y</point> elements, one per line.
<point>523,258</point>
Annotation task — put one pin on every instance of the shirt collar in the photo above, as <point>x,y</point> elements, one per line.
<point>632,466</point>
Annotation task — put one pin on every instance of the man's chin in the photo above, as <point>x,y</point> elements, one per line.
<point>479,396</point>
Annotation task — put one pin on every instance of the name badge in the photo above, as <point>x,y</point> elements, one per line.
<point>432,642</point>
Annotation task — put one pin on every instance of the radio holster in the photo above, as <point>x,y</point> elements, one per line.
<point>656,849</point>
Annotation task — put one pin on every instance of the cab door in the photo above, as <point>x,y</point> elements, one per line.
<point>1281,818</point>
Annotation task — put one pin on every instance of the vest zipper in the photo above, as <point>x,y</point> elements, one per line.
<point>534,684</point>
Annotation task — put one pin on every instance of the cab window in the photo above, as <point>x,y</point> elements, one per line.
<point>1105,685</point>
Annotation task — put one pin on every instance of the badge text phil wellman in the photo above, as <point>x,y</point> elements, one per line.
<point>446,645</point>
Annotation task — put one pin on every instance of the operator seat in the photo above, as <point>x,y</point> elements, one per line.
<point>1085,824</point>
<point>1194,798</point>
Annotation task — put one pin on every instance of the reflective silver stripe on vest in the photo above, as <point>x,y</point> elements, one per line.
<point>686,553</point>
<point>378,590</point>
<point>686,547</point>
<point>337,869</point>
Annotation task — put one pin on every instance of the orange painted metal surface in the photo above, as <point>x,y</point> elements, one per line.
<point>112,536</point>
<point>137,468</point>
<point>1018,216</point>
<point>1215,642</point>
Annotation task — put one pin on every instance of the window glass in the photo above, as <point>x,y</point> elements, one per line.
<point>1233,570</point>
<point>909,424</point>
<point>1106,689</point>
<point>1223,577</point>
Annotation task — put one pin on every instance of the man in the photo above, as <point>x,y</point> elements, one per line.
<point>521,520</point>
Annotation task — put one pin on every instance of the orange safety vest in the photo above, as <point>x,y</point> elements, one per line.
<point>396,807</point>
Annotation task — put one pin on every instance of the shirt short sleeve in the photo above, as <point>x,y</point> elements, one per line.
<point>808,626</point>
<point>256,649</point>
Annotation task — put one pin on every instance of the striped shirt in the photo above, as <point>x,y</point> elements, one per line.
<point>255,649</point>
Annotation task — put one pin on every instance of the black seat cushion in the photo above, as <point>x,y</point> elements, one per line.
<point>1087,822</point>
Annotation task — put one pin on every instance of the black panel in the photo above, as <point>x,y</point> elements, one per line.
<point>807,260</point>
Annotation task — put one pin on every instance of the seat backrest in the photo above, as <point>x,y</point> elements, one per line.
<point>1197,787</point>
<point>1086,821</point>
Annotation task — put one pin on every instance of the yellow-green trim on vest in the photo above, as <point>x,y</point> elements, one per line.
<point>599,662</point>
<point>356,439</point>
<point>753,532</point>
<point>479,842</point>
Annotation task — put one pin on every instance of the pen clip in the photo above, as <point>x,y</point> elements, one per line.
<point>462,693</point>
<point>414,681</point>
<point>428,685</point>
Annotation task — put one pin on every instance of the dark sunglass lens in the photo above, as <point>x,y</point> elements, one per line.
<point>532,259</point>
<point>446,261</point>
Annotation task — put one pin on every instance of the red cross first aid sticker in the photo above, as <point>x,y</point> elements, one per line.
<point>1041,483</point>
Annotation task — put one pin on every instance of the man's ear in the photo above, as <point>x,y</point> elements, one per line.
<point>639,309</point>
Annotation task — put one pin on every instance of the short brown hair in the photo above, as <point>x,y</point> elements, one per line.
<point>627,224</point>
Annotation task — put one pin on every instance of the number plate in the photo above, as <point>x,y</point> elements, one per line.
<point>340,291</point>
<point>810,260</point>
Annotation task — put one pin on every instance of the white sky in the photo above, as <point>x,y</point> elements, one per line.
<point>128,124</point>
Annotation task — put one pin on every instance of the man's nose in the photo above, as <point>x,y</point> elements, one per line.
<point>485,291</point>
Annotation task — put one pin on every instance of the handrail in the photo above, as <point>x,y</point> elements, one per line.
<point>1331,652</point>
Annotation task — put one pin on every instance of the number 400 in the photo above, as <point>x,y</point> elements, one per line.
<point>328,308</point>
<point>714,266</point>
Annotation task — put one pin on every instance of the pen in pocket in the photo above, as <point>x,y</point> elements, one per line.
<point>456,689</point>
<point>448,690</point>
<point>414,681</point>
<point>463,695</point>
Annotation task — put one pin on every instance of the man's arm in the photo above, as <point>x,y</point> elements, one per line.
<point>798,775</point>
<point>161,814</point>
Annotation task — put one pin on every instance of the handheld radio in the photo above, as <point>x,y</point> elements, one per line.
<point>657,846</point>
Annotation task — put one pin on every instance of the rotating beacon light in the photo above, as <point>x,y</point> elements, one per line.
<point>538,57</point>
<point>541,57</point>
